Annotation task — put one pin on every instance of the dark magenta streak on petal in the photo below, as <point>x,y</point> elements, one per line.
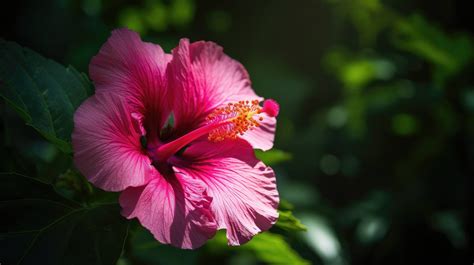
<point>134,70</point>
<point>106,144</point>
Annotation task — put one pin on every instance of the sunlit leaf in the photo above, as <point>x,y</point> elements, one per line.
<point>267,247</point>
<point>273,157</point>
<point>356,71</point>
<point>285,205</point>
<point>322,239</point>
<point>289,222</point>
<point>273,249</point>
<point>43,92</point>
<point>371,229</point>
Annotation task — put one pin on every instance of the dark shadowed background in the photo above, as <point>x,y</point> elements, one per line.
<point>375,141</point>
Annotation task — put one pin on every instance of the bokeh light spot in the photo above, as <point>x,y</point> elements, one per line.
<point>131,18</point>
<point>156,17</point>
<point>92,7</point>
<point>337,117</point>
<point>371,229</point>
<point>330,164</point>
<point>181,12</point>
<point>404,124</point>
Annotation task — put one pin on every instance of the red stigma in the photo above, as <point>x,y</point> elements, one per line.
<point>271,107</point>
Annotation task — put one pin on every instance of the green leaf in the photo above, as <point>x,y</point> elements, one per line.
<point>273,249</point>
<point>448,53</point>
<point>43,92</point>
<point>19,187</point>
<point>356,71</point>
<point>286,220</point>
<point>148,250</point>
<point>268,247</point>
<point>41,227</point>
<point>289,222</point>
<point>322,239</point>
<point>273,157</point>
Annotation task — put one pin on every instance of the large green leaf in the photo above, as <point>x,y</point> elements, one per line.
<point>273,249</point>
<point>41,227</point>
<point>289,222</point>
<point>43,92</point>
<point>267,247</point>
<point>286,220</point>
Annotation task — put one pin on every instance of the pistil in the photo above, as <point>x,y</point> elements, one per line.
<point>226,122</point>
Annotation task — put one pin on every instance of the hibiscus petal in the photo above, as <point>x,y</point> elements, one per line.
<point>262,137</point>
<point>107,147</point>
<point>136,70</point>
<point>175,209</point>
<point>245,198</point>
<point>202,78</point>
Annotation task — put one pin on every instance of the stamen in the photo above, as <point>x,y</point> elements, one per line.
<point>223,123</point>
<point>235,120</point>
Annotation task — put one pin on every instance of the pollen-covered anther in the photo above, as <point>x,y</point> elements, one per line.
<point>234,119</point>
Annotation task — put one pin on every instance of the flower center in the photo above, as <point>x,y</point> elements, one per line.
<point>235,119</point>
<point>226,122</point>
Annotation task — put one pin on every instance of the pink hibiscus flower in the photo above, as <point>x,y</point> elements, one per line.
<point>186,179</point>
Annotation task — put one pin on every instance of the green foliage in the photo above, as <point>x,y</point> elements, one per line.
<point>369,17</point>
<point>447,53</point>
<point>181,12</point>
<point>322,238</point>
<point>267,247</point>
<point>377,135</point>
<point>404,124</point>
<point>43,227</point>
<point>131,18</point>
<point>289,222</point>
<point>272,157</point>
<point>273,249</point>
<point>355,73</point>
<point>286,220</point>
<point>157,15</point>
<point>44,93</point>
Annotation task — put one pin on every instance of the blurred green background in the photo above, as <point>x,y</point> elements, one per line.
<point>375,143</point>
